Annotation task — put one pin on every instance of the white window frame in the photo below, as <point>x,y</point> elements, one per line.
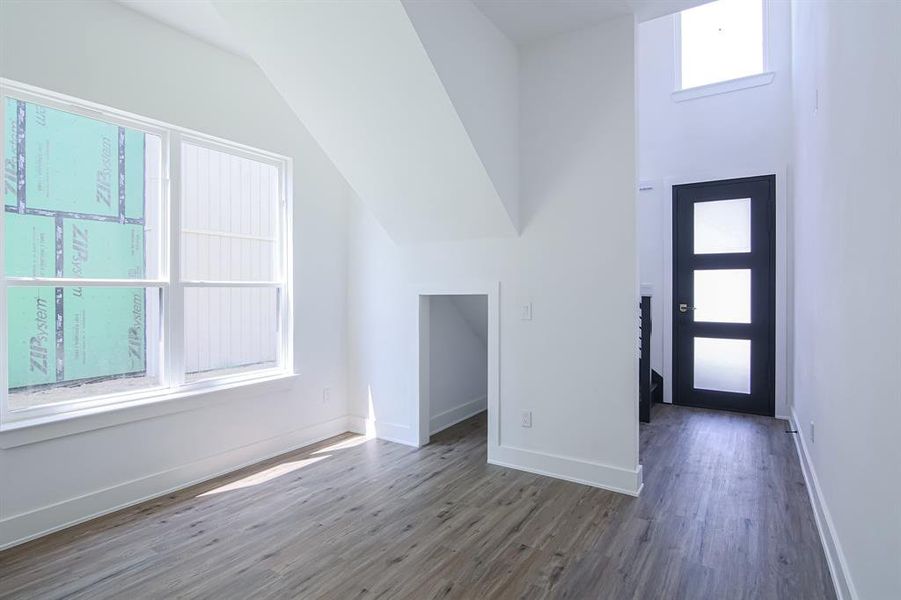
<point>765,76</point>
<point>172,361</point>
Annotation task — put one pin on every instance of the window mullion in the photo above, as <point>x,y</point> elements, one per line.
<point>286,266</point>
<point>174,313</point>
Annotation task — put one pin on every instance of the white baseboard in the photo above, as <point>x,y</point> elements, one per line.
<point>356,424</point>
<point>614,479</point>
<point>451,417</point>
<point>20,528</point>
<point>838,567</point>
<point>390,432</point>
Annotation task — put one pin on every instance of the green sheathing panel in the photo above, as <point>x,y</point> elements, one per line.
<point>32,338</point>
<point>103,332</point>
<point>30,246</point>
<point>71,162</point>
<point>74,207</point>
<point>99,249</point>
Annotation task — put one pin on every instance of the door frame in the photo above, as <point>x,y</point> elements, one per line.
<point>783,317</point>
<point>770,296</point>
<point>420,383</point>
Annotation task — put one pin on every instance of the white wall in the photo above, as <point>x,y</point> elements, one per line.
<point>479,68</point>
<point>737,134</point>
<point>742,129</point>
<point>111,55</point>
<point>458,359</point>
<point>574,365</point>
<point>847,356</point>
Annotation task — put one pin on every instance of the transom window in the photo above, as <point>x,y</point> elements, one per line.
<point>139,259</point>
<point>720,41</point>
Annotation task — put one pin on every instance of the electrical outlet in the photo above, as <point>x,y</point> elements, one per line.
<point>812,433</point>
<point>525,312</point>
<point>526,418</point>
<point>326,395</point>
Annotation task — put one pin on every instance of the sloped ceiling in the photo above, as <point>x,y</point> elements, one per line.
<point>199,18</point>
<point>479,68</point>
<point>357,75</point>
<point>474,310</point>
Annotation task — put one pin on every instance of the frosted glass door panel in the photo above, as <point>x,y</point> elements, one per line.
<point>722,226</point>
<point>723,296</point>
<point>722,365</point>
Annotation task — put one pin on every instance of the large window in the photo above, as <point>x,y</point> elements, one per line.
<point>138,259</point>
<point>721,41</point>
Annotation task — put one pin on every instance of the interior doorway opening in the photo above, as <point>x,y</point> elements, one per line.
<point>453,369</point>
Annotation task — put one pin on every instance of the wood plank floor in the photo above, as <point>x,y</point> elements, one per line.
<point>724,515</point>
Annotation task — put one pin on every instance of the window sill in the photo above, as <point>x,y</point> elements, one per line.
<point>724,87</point>
<point>30,431</point>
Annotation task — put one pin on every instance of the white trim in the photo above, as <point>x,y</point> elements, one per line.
<point>19,528</point>
<point>724,87</point>
<point>150,405</point>
<point>226,234</point>
<point>390,432</point>
<point>835,557</point>
<point>783,260</point>
<point>677,51</point>
<point>86,282</point>
<point>614,479</point>
<point>173,313</point>
<point>457,414</point>
<point>356,424</point>
<point>420,344</point>
<point>4,351</point>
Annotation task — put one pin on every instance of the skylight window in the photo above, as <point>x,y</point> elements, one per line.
<point>721,41</point>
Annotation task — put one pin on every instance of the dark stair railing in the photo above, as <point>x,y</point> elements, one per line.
<point>645,389</point>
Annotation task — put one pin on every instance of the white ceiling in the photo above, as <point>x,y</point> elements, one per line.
<point>197,18</point>
<point>526,21</point>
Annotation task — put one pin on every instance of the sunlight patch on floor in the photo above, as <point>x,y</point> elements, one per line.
<point>264,476</point>
<point>344,444</point>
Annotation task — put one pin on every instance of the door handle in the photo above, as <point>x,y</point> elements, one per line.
<point>684,308</point>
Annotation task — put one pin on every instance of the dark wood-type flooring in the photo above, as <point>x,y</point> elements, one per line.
<point>724,515</point>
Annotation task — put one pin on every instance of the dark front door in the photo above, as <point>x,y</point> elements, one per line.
<point>724,294</point>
